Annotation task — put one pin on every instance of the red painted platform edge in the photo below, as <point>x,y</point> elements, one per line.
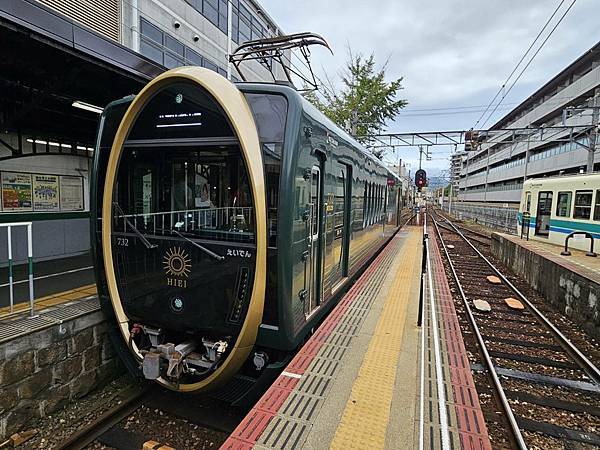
<point>471,425</point>
<point>256,421</point>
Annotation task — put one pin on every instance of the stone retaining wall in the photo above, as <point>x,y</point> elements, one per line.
<point>43,371</point>
<point>575,295</point>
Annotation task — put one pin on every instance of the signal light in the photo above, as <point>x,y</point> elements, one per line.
<point>420,178</point>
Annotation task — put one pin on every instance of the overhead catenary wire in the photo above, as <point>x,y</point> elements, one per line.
<point>530,61</point>
<point>520,61</point>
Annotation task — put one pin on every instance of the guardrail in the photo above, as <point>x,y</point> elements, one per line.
<point>11,282</point>
<point>591,253</point>
<point>503,219</point>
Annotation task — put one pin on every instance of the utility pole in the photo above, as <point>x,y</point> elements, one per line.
<point>450,199</point>
<point>593,136</point>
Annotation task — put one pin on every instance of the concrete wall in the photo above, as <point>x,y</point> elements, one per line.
<point>42,372</point>
<point>574,295</point>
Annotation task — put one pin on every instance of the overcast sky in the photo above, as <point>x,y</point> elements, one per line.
<point>451,53</point>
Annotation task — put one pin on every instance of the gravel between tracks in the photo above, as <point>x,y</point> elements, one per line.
<point>56,428</point>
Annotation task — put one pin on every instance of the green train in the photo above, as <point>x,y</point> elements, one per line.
<point>226,221</point>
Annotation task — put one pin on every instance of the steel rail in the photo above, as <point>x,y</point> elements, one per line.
<point>486,356</point>
<point>89,433</point>
<point>589,367</point>
<point>445,227</point>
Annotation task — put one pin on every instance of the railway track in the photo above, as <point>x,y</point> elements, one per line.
<point>153,414</point>
<point>548,390</point>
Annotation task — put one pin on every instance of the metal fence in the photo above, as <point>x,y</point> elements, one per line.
<point>503,219</point>
<point>11,283</point>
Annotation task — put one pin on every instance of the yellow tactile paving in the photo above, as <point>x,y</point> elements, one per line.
<point>366,415</point>
<point>54,299</point>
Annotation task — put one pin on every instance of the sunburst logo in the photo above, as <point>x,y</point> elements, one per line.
<point>177,263</point>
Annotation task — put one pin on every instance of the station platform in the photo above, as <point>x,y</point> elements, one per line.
<point>51,279</point>
<point>578,262</point>
<point>370,377</point>
<point>82,292</point>
<point>570,283</point>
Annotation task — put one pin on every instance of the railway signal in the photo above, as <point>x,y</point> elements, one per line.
<point>420,178</point>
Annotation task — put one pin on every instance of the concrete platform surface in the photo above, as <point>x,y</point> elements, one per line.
<point>356,382</point>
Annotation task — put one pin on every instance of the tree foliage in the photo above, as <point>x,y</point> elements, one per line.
<point>365,102</point>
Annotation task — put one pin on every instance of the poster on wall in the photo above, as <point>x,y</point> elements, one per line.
<point>71,193</point>
<point>45,192</point>
<point>16,191</point>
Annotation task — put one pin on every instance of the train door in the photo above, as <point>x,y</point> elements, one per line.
<point>544,210</point>
<point>315,240</point>
<point>341,230</point>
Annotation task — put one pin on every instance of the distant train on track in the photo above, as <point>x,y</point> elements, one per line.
<point>555,207</point>
<point>226,221</point>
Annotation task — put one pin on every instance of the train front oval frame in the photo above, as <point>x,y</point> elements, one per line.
<point>233,103</point>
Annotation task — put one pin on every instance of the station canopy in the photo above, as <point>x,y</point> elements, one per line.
<point>48,63</point>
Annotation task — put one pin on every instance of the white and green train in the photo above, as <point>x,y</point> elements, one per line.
<point>553,208</point>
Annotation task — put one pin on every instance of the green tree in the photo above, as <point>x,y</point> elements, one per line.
<point>365,102</point>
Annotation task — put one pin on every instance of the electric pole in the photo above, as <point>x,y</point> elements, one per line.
<point>593,136</point>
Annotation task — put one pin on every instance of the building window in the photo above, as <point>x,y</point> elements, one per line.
<point>214,10</point>
<point>583,205</point>
<point>245,25</point>
<point>193,57</point>
<point>563,205</point>
<point>165,49</point>
<point>152,32</point>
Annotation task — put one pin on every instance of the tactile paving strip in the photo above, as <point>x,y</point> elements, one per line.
<point>21,326</point>
<point>282,418</point>
<point>466,418</point>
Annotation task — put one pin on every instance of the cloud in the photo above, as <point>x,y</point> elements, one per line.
<point>450,52</point>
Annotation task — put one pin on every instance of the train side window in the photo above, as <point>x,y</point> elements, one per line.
<point>563,205</point>
<point>583,205</point>
<point>364,217</point>
<point>527,202</point>
<point>370,221</point>
<point>597,206</point>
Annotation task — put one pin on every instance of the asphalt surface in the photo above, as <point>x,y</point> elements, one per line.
<point>50,277</point>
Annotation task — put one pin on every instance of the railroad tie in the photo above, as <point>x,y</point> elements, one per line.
<point>153,445</point>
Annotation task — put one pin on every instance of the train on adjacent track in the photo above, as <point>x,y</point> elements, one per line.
<point>226,221</point>
<point>552,208</point>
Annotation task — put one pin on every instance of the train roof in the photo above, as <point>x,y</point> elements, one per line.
<point>314,112</point>
<point>564,179</point>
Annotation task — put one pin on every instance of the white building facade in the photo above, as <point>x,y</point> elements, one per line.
<point>495,173</point>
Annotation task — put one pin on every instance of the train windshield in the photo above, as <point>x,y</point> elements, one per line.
<point>182,172</point>
<point>196,191</point>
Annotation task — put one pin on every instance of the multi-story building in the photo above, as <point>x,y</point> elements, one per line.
<point>456,163</point>
<point>495,172</point>
<point>178,32</point>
